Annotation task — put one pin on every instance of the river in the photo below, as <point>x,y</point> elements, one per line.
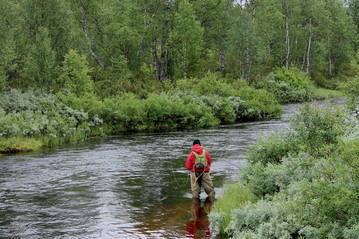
<point>128,186</point>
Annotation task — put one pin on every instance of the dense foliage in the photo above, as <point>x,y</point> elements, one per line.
<point>304,179</point>
<point>288,85</point>
<point>128,42</point>
<point>33,119</point>
<point>76,113</point>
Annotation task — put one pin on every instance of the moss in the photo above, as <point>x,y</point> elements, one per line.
<point>19,144</point>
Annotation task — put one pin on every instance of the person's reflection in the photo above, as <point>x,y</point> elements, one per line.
<point>198,226</point>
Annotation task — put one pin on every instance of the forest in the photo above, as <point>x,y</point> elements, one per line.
<point>71,69</point>
<point>74,69</point>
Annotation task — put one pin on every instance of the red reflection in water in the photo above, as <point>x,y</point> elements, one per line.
<point>199,226</point>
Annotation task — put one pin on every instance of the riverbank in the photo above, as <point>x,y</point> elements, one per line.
<point>301,182</point>
<point>33,119</point>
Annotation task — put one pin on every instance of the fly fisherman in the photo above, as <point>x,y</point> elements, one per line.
<point>199,163</point>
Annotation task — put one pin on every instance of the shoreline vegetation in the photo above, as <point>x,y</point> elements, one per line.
<point>33,119</point>
<point>298,183</point>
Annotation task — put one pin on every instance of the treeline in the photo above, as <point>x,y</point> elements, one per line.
<point>129,44</point>
<point>301,182</point>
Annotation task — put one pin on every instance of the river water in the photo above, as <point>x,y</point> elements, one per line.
<point>128,186</point>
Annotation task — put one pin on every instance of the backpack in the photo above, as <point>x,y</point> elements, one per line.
<point>200,163</point>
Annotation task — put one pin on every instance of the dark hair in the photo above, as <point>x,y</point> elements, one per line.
<point>196,141</point>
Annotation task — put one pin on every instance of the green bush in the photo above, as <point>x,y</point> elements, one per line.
<point>258,104</point>
<point>231,100</point>
<point>288,85</point>
<point>212,84</point>
<point>351,87</point>
<point>43,117</point>
<point>307,179</point>
<point>76,113</point>
<point>314,131</point>
<point>74,76</point>
<point>14,100</point>
<point>265,219</point>
<point>322,81</point>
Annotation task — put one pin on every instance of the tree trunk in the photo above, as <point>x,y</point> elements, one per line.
<point>287,42</point>
<point>83,22</point>
<point>330,61</point>
<point>248,65</point>
<point>163,57</point>
<point>160,61</point>
<point>303,61</point>
<point>156,61</point>
<point>221,62</point>
<point>309,45</point>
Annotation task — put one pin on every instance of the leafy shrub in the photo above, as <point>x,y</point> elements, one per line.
<point>314,130</point>
<point>74,74</point>
<point>318,129</point>
<point>320,80</point>
<point>309,186</point>
<point>351,87</point>
<point>288,85</point>
<point>265,219</point>
<point>14,100</point>
<point>273,149</point>
<point>212,84</point>
<point>165,111</point>
<point>231,100</point>
<point>258,104</point>
<point>44,117</point>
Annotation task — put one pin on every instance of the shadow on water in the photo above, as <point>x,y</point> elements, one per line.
<point>199,225</point>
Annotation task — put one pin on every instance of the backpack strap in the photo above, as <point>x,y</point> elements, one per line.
<point>196,154</point>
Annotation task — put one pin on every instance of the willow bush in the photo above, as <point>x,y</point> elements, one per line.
<point>304,179</point>
<point>192,103</point>
<point>73,115</point>
<point>43,117</point>
<point>288,85</point>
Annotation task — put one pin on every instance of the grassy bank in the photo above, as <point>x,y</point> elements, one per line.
<point>299,183</point>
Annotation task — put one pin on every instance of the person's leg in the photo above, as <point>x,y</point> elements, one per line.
<point>196,189</point>
<point>207,185</point>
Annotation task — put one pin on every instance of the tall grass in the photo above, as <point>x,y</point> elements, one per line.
<point>19,144</point>
<point>235,195</point>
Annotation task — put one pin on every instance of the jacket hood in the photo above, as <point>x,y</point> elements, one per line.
<point>197,149</point>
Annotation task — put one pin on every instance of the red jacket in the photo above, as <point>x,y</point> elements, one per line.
<point>192,158</point>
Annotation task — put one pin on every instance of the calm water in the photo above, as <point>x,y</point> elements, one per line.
<point>128,186</point>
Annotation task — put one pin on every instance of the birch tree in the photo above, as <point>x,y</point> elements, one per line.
<point>185,41</point>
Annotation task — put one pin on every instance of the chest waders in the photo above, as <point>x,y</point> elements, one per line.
<point>199,165</point>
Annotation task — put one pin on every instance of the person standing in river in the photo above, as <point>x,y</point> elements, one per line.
<point>199,163</point>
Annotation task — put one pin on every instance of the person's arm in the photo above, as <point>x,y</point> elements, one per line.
<point>190,161</point>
